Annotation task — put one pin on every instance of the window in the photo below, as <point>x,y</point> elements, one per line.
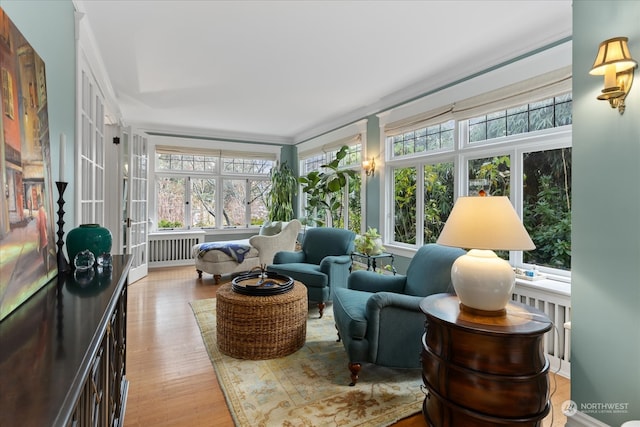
<point>346,208</point>
<point>211,190</point>
<point>431,138</point>
<point>523,153</point>
<point>547,206</point>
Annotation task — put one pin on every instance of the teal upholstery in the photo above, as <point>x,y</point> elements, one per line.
<point>322,265</point>
<point>378,317</point>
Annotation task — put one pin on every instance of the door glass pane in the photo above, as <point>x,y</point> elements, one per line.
<point>170,202</point>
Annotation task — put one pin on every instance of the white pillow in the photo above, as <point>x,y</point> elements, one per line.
<point>270,229</point>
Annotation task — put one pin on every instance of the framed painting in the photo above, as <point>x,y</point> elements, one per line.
<point>27,239</point>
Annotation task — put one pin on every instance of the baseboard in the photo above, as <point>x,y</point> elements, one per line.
<point>580,419</point>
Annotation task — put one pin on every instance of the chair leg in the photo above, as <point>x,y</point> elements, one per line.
<point>321,306</point>
<point>355,370</point>
<point>199,274</point>
<point>216,278</point>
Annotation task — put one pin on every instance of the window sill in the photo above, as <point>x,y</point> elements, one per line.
<point>549,286</point>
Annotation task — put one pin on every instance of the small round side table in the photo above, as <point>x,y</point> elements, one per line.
<point>261,327</point>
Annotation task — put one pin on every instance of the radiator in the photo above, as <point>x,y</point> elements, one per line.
<point>167,249</point>
<point>555,301</point>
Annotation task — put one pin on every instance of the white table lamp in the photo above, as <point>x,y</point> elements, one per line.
<point>483,281</point>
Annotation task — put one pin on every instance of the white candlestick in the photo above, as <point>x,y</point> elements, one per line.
<point>63,142</point>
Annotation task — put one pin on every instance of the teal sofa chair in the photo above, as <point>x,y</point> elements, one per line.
<point>322,265</point>
<point>378,316</point>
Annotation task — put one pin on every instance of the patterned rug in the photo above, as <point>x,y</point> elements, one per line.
<point>311,386</point>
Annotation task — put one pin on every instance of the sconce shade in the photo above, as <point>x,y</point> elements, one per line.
<point>613,53</point>
<point>485,223</point>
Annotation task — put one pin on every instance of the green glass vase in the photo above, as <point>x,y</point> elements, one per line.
<point>93,237</point>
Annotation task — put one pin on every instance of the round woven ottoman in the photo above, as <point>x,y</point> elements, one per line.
<point>261,327</point>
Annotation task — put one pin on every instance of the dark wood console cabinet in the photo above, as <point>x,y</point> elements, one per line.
<point>63,353</point>
<point>484,371</point>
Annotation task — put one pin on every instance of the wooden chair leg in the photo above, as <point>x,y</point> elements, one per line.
<point>355,370</point>
<point>216,278</point>
<point>199,274</point>
<point>321,306</point>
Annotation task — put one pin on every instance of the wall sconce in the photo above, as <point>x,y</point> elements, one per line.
<point>615,63</point>
<point>369,167</point>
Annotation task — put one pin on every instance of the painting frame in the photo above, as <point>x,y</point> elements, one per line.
<point>27,235</point>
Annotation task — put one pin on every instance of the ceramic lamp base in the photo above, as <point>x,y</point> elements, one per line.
<point>483,281</point>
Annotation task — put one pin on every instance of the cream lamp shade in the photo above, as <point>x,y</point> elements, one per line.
<point>483,281</point>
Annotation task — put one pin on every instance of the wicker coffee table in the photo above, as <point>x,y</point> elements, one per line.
<point>261,327</point>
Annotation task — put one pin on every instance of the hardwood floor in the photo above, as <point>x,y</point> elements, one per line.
<point>171,380</point>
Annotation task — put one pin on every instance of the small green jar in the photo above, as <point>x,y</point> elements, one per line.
<point>93,237</point>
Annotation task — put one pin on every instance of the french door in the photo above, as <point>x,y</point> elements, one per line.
<point>135,211</point>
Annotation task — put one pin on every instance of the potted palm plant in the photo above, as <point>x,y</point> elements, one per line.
<point>283,187</point>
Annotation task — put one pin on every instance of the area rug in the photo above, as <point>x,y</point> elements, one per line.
<point>311,386</point>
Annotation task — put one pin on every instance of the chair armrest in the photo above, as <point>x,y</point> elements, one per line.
<point>382,300</point>
<point>394,326</point>
<point>370,281</point>
<point>287,257</point>
<point>336,267</point>
<point>334,259</point>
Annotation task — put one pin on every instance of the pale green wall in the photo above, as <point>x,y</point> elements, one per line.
<point>605,362</point>
<point>49,27</point>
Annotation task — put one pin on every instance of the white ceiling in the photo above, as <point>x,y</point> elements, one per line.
<point>288,70</point>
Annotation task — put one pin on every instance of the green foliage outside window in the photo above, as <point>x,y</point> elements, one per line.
<point>405,205</point>
<point>438,198</point>
<point>547,207</point>
<point>324,191</point>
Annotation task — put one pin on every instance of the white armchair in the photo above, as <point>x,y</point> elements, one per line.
<point>267,246</point>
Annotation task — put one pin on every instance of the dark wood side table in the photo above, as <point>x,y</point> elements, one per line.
<point>484,371</point>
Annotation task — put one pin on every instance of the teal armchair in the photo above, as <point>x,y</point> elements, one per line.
<point>322,265</point>
<point>378,317</point>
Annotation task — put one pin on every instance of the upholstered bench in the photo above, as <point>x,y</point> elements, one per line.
<point>262,248</point>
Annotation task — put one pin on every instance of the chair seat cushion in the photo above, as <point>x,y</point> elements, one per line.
<point>309,274</point>
<point>349,308</point>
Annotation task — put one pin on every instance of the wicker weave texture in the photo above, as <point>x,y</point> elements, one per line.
<point>261,327</point>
